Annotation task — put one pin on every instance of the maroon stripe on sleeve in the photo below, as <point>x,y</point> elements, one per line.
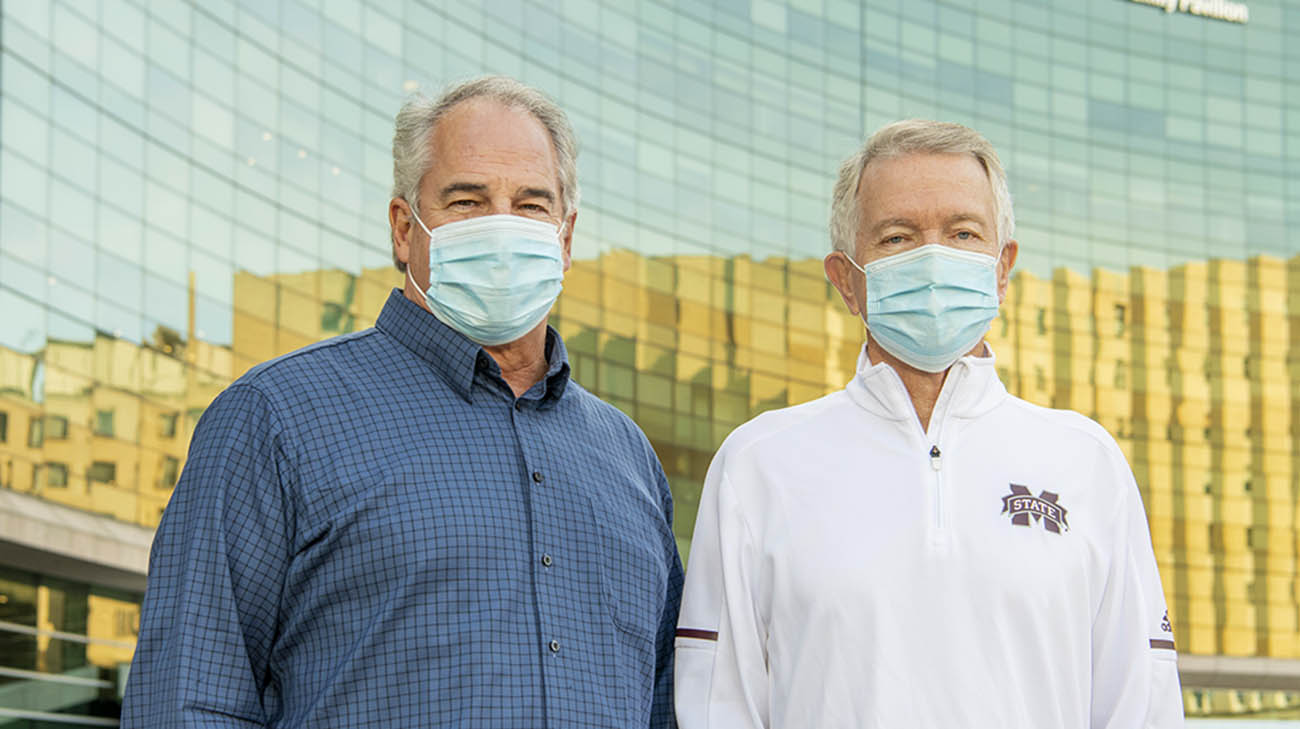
<point>1166,644</point>
<point>693,633</point>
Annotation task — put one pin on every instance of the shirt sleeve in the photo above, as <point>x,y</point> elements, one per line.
<point>662,716</point>
<point>216,572</point>
<point>1135,667</point>
<point>1165,708</point>
<point>722,680</point>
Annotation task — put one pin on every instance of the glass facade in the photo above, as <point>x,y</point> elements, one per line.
<point>187,189</point>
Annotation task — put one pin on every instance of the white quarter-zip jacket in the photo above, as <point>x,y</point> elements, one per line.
<point>850,569</point>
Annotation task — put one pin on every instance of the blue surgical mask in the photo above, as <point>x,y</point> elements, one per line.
<point>493,278</point>
<point>932,304</point>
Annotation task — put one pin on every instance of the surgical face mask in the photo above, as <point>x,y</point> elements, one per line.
<point>493,278</point>
<point>932,304</point>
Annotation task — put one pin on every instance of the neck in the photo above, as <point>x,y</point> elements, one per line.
<point>922,387</point>
<point>523,361</point>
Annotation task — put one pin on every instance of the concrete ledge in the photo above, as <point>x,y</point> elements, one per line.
<point>1233,672</point>
<point>42,536</point>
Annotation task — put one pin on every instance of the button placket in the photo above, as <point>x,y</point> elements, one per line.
<point>539,498</point>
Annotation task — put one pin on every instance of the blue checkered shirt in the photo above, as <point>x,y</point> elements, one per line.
<point>375,532</point>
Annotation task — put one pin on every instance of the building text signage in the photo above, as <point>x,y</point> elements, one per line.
<point>1232,12</point>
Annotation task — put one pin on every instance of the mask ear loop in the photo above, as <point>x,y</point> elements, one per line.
<point>863,316</point>
<point>423,227</point>
<point>427,232</point>
<point>854,263</point>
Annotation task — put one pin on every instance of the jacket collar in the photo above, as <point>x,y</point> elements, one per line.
<point>971,389</point>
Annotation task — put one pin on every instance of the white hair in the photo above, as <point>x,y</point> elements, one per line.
<point>915,136</point>
<point>412,135</point>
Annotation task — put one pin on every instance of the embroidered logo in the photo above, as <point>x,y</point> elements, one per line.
<point>1021,504</point>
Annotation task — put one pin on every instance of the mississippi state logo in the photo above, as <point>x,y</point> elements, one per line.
<point>1021,504</point>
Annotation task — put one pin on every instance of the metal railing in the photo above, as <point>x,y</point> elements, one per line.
<point>42,689</point>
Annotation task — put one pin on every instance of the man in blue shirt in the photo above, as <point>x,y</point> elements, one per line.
<point>427,523</point>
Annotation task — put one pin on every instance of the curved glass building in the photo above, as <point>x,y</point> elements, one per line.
<point>189,188</point>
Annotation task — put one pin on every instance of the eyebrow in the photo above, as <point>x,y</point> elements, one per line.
<point>909,223</point>
<point>966,218</point>
<point>464,187</point>
<point>541,192</point>
<point>892,222</point>
<point>481,189</point>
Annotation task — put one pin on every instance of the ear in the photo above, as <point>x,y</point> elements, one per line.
<point>1005,263</point>
<point>401,224</point>
<point>566,239</point>
<point>843,276</point>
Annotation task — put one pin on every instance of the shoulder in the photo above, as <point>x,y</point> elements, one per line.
<point>783,429</point>
<point>591,406</point>
<point>1062,428</point>
<point>277,391</point>
<point>1065,436</point>
<point>612,435</point>
<point>292,368</point>
<point>605,419</point>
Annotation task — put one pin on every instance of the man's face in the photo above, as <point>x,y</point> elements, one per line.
<point>488,159</point>
<point>916,199</point>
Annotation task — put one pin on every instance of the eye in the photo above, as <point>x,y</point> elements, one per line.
<point>463,203</point>
<point>965,235</point>
<point>894,240</point>
<point>534,208</point>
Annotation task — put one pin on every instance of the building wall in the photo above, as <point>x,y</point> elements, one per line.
<point>189,188</point>
<point>1185,367</point>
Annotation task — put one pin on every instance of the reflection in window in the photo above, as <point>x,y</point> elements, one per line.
<point>170,472</point>
<point>56,427</point>
<point>104,423</point>
<point>167,424</point>
<point>97,629</point>
<point>56,474</point>
<point>335,318</point>
<point>17,605</point>
<point>102,472</point>
<point>35,432</point>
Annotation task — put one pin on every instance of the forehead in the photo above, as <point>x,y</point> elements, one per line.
<point>484,137</point>
<point>920,184</point>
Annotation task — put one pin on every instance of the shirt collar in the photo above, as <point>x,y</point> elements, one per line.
<point>557,368</point>
<point>971,388</point>
<point>455,358</point>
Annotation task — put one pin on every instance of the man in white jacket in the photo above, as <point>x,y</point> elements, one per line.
<point>922,549</point>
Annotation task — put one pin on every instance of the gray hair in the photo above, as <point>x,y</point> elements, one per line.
<point>413,154</point>
<point>915,136</point>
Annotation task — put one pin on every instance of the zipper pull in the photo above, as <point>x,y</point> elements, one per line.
<point>934,457</point>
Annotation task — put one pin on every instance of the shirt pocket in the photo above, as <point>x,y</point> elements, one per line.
<point>633,575</point>
<point>634,580</point>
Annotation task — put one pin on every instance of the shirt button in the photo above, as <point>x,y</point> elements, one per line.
<point>537,476</point>
<point>546,560</point>
<point>555,646</point>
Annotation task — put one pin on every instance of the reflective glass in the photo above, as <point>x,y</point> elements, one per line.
<point>188,190</point>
